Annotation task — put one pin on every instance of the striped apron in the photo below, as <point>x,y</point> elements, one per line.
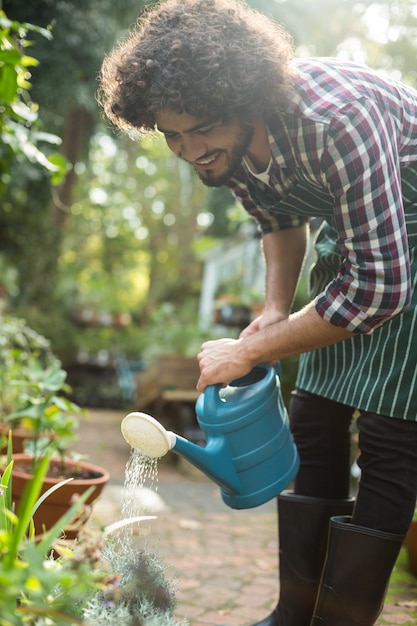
<point>375,372</point>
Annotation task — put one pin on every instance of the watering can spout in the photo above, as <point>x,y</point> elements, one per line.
<point>146,434</point>
<point>214,460</point>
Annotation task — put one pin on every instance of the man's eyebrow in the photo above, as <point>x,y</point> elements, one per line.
<point>189,130</point>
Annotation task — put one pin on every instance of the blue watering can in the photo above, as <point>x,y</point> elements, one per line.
<point>249,452</point>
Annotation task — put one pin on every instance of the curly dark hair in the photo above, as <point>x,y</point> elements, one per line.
<point>208,58</point>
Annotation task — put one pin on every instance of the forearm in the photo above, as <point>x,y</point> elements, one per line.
<point>278,334</point>
<point>301,332</point>
<point>222,361</point>
<point>284,253</point>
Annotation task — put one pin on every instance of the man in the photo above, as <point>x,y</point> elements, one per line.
<point>296,139</point>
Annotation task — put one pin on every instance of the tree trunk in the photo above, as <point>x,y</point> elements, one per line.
<point>76,132</point>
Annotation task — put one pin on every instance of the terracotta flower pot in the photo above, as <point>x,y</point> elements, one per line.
<point>19,436</point>
<point>57,504</point>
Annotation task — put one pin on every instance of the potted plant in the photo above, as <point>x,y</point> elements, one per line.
<point>140,593</point>
<point>21,349</point>
<point>100,580</point>
<point>51,420</point>
<point>33,587</point>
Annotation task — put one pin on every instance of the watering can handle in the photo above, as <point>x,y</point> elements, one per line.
<point>212,399</point>
<point>277,368</point>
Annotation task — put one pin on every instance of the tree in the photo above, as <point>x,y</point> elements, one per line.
<point>35,216</point>
<point>22,140</point>
<point>380,33</point>
<point>133,228</point>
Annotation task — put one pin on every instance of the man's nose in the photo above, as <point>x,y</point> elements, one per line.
<point>192,148</point>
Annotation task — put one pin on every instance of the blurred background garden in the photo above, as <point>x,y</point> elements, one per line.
<point>113,250</point>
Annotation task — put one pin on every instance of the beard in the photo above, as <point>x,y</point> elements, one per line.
<point>234,159</point>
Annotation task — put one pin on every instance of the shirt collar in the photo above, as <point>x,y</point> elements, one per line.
<point>279,141</point>
<point>283,156</point>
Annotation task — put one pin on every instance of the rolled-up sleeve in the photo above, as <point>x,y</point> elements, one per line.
<point>362,170</point>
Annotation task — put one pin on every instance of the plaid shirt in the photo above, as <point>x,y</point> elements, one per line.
<point>337,154</point>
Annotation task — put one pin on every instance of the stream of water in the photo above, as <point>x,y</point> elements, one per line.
<point>141,473</point>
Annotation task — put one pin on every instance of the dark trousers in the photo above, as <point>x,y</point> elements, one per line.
<point>387,489</point>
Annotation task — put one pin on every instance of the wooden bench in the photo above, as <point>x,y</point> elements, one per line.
<point>168,379</point>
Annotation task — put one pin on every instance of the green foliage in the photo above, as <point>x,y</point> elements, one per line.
<point>82,33</point>
<point>21,349</point>
<point>33,381</point>
<point>36,589</point>
<point>142,595</point>
<point>100,580</point>
<point>20,135</point>
<point>129,244</point>
<point>226,215</point>
<point>28,164</point>
<point>381,33</point>
<point>173,330</point>
<point>55,325</point>
<point>49,416</point>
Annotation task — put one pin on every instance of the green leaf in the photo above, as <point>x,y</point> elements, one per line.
<point>4,495</point>
<point>61,167</point>
<point>6,482</point>
<point>9,56</point>
<point>47,493</point>
<point>54,380</point>
<point>27,61</point>
<point>23,82</point>
<point>29,497</point>
<point>8,84</point>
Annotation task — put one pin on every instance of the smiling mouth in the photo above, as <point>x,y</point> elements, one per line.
<point>208,160</point>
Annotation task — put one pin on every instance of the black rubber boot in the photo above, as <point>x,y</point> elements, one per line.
<point>303,524</point>
<point>356,574</point>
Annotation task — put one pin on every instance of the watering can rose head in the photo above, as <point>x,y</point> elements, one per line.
<point>145,434</point>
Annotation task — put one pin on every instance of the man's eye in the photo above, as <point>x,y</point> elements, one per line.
<point>205,130</point>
